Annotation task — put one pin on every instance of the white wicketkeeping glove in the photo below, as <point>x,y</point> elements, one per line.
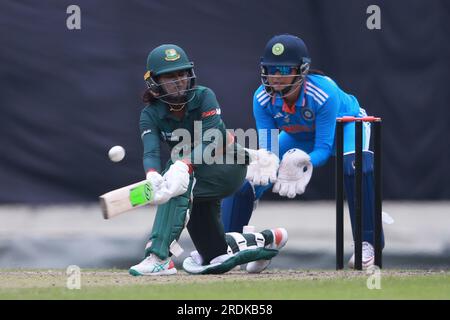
<point>294,173</point>
<point>177,178</point>
<point>160,192</point>
<point>263,167</point>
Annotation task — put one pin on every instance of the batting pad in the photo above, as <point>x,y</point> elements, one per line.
<point>241,257</point>
<point>170,220</point>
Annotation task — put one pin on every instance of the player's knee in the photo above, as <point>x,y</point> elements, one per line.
<point>349,163</point>
<point>245,190</point>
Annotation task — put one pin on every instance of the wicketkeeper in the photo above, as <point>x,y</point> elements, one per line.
<point>303,105</point>
<point>189,191</point>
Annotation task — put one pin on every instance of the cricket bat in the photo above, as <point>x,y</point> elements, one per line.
<point>126,198</point>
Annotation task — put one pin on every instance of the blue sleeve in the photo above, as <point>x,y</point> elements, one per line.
<point>325,130</point>
<point>264,123</point>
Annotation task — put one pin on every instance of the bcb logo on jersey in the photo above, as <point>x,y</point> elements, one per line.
<point>172,55</point>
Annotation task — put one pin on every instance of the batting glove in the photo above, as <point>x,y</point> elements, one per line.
<point>160,192</point>
<point>177,178</point>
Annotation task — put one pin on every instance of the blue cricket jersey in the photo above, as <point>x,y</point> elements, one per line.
<point>312,118</point>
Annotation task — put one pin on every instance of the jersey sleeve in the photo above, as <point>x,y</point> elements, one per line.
<point>264,124</point>
<point>325,130</point>
<point>150,140</point>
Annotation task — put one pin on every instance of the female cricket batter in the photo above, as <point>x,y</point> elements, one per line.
<point>303,105</point>
<point>189,191</point>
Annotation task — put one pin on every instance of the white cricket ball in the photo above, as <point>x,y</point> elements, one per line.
<point>116,153</point>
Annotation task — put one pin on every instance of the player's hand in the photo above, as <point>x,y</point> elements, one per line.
<point>159,186</point>
<point>263,167</point>
<point>294,173</point>
<point>177,178</point>
<point>155,178</point>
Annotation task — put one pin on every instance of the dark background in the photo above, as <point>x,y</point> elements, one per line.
<point>67,96</point>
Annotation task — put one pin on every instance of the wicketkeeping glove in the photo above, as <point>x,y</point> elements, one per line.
<point>263,167</point>
<point>294,173</point>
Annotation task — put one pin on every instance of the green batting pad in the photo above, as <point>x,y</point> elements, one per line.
<point>239,258</point>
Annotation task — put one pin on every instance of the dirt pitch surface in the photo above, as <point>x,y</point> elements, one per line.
<point>97,278</point>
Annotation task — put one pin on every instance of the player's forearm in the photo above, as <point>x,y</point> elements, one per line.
<point>151,157</point>
<point>152,163</point>
<point>319,156</point>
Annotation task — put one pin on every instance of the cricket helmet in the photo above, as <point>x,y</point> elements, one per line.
<point>284,51</point>
<point>168,58</point>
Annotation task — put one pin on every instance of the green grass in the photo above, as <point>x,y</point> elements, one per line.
<point>392,287</point>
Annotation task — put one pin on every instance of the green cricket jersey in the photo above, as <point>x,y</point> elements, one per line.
<point>158,124</point>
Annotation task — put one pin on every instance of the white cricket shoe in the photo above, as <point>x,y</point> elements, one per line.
<point>153,266</point>
<point>280,237</point>
<point>368,256</point>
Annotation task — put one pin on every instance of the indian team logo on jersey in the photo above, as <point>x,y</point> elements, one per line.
<point>172,55</point>
<point>308,114</point>
<point>277,49</point>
